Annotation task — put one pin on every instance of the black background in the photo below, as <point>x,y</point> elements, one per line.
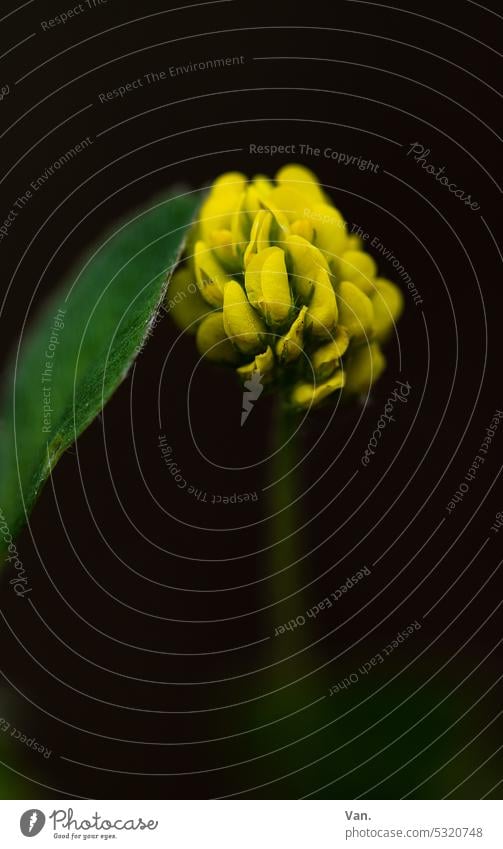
<point>141,661</point>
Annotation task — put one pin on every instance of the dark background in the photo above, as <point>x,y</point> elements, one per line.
<point>143,660</point>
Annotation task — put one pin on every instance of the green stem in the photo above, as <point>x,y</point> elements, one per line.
<point>287,664</point>
<point>284,537</point>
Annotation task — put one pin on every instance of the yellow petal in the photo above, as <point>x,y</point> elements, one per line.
<point>212,341</point>
<point>355,310</point>
<point>329,230</point>
<point>303,180</point>
<point>210,276</point>
<point>290,202</point>
<point>242,323</point>
<point>321,315</point>
<point>289,346</point>
<point>388,305</point>
<point>276,296</point>
<point>232,182</point>
<point>221,243</point>
<point>217,209</point>
<point>363,367</point>
<point>266,195</point>
<point>307,395</point>
<point>252,202</point>
<point>253,281</point>
<point>214,215</point>
<point>305,261</point>
<point>183,301</point>
<point>267,287</point>
<point>262,185</point>
<point>359,268</point>
<point>302,227</point>
<point>354,242</point>
<point>263,364</point>
<point>326,358</point>
<point>259,236</point>
<point>240,228</point>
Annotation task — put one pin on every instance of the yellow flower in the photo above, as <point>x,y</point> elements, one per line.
<point>212,340</point>
<point>355,309</point>
<point>388,306</point>
<point>209,274</point>
<point>267,286</point>
<point>326,358</point>
<point>307,395</point>
<point>276,285</point>
<point>302,227</point>
<point>305,260</point>
<point>330,230</point>
<point>263,364</point>
<point>322,312</point>
<point>183,300</point>
<point>259,236</point>
<point>289,346</point>
<point>243,325</point>
<point>217,210</point>
<point>359,268</point>
<point>303,180</point>
<point>365,365</point>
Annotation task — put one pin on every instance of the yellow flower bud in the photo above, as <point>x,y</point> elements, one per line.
<point>290,202</point>
<point>359,268</point>
<point>267,286</point>
<point>325,359</point>
<point>217,209</point>
<point>329,230</point>
<point>354,242</point>
<point>305,261</point>
<point>355,310</point>
<point>302,227</point>
<point>322,311</point>
<point>221,243</point>
<point>259,236</point>
<point>252,202</point>
<point>289,346</point>
<point>365,365</point>
<point>263,363</point>
<point>212,341</point>
<point>263,185</point>
<point>302,180</point>
<point>210,276</point>
<point>388,305</point>
<point>242,323</point>
<point>183,300</point>
<point>297,297</point>
<point>232,181</point>
<point>240,228</point>
<point>307,395</point>
<point>266,193</point>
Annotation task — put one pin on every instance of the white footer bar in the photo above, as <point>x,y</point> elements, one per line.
<point>253,824</point>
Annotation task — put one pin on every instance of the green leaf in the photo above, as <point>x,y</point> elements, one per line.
<point>80,355</point>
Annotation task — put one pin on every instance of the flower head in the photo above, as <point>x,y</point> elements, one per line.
<point>272,283</point>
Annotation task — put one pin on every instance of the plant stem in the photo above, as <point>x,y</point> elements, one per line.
<point>284,488</point>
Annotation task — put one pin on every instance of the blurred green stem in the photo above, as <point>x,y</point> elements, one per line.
<point>284,537</point>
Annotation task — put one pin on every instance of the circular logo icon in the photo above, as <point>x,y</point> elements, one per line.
<point>32,822</point>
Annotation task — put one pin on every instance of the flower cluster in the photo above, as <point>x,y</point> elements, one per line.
<point>272,282</point>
